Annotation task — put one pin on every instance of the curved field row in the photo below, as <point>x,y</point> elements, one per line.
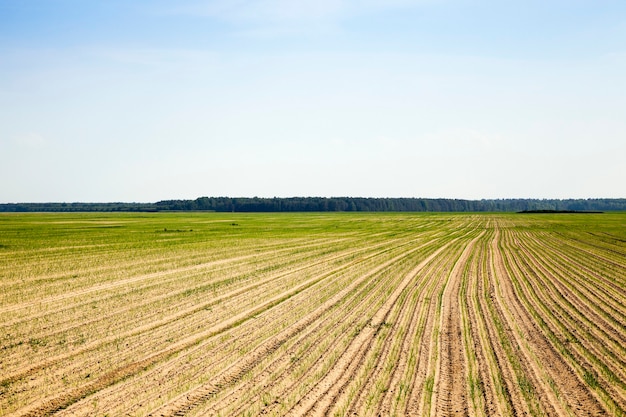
<point>542,373</point>
<point>557,319</point>
<point>586,308</point>
<point>313,314</point>
<point>217,310</point>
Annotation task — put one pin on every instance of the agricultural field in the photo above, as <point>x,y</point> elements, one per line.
<point>311,314</point>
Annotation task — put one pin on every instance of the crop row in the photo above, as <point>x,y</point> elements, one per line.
<point>313,314</point>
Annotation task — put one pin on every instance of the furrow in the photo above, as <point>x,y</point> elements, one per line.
<point>562,373</point>
<point>108,379</point>
<point>450,373</point>
<point>322,396</point>
<point>191,400</point>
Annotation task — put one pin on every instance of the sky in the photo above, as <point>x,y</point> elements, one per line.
<point>149,100</point>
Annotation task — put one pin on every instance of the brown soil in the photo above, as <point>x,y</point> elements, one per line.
<point>479,319</point>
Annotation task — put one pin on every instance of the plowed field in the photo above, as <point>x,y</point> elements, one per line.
<point>166,314</point>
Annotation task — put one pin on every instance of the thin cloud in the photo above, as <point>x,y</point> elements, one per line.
<point>158,57</point>
<point>245,11</point>
<point>285,18</point>
<point>284,11</point>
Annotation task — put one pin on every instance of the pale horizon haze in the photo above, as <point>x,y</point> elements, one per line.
<point>141,101</point>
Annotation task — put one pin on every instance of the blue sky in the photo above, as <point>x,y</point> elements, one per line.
<point>150,100</point>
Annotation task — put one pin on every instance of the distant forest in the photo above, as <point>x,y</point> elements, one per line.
<point>302,204</point>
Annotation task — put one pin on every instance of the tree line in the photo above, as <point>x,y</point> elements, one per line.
<point>337,204</point>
